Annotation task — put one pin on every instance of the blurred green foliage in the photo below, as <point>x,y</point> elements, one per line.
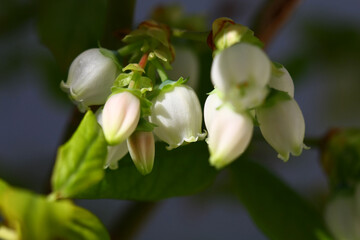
<point>35,217</point>
<point>275,208</point>
<point>341,158</point>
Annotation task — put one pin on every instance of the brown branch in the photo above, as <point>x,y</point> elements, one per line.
<point>272,17</point>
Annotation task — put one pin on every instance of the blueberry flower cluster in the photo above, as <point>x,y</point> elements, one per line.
<point>136,109</point>
<point>141,104</point>
<point>248,88</point>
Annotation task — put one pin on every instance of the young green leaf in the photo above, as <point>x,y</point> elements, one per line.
<point>34,217</point>
<point>80,161</point>
<point>275,208</point>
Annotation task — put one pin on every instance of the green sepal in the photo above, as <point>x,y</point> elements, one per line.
<point>145,104</point>
<point>167,86</point>
<point>276,69</point>
<point>113,55</point>
<point>249,37</point>
<point>135,36</point>
<point>144,84</point>
<point>275,96</point>
<point>129,48</point>
<point>133,67</point>
<point>152,33</point>
<point>145,126</point>
<point>123,79</point>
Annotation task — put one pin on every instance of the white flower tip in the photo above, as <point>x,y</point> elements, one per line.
<point>296,151</point>
<point>217,162</point>
<point>112,166</point>
<point>185,141</point>
<point>141,147</point>
<point>284,156</point>
<point>144,169</point>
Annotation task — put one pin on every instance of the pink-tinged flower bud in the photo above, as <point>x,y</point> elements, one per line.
<point>141,147</point>
<point>283,127</point>
<point>177,114</point>
<point>282,81</point>
<point>242,72</point>
<point>114,153</point>
<point>120,117</point>
<point>342,215</point>
<point>229,132</point>
<point>90,78</point>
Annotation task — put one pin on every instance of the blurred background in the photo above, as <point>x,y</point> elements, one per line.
<point>319,45</point>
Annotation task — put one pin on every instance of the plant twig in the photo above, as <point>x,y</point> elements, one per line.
<point>272,17</point>
<point>127,225</point>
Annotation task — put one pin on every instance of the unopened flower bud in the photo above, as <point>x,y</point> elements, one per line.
<point>283,127</point>
<point>227,33</point>
<point>141,147</point>
<point>177,114</point>
<point>229,132</point>
<point>342,215</point>
<point>114,153</point>
<point>90,78</point>
<point>120,117</point>
<point>242,72</point>
<point>282,81</point>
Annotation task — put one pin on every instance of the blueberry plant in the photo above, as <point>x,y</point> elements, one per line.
<point>147,135</point>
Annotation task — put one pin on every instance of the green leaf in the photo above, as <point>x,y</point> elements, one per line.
<point>179,172</point>
<point>69,27</point>
<point>80,161</point>
<point>275,208</point>
<point>35,217</point>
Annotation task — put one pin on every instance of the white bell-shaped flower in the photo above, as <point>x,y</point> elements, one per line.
<point>90,78</point>
<point>120,117</point>
<point>114,153</point>
<point>141,147</point>
<point>282,81</point>
<point>242,72</point>
<point>283,127</point>
<point>342,216</point>
<point>177,114</point>
<point>229,132</point>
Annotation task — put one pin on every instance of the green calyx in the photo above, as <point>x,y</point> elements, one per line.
<point>275,96</point>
